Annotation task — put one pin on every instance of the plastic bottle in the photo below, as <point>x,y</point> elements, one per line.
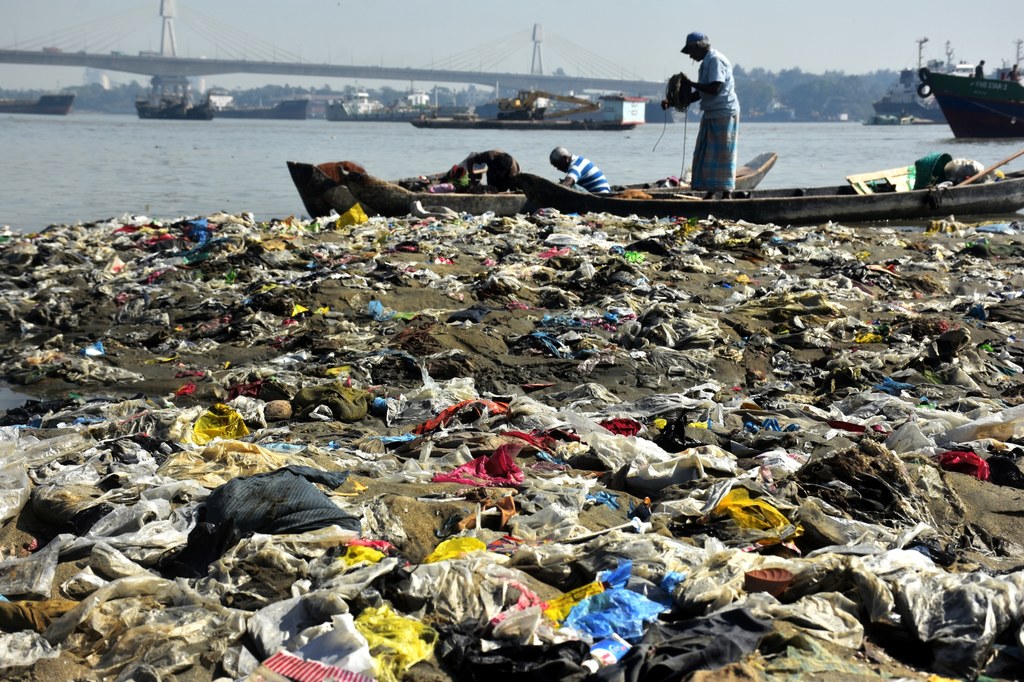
<point>606,652</point>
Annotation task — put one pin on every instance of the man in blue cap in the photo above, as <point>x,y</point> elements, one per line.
<point>714,157</point>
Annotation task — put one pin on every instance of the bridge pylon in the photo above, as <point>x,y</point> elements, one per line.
<point>168,45</point>
<point>537,65</point>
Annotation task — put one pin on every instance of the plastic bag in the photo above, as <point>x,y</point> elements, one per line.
<point>757,515</point>
<point>455,548</point>
<point>220,421</point>
<point>397,643</point>
<point>355,215</point>
<point>14,489</point>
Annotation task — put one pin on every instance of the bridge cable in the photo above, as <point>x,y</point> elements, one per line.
<point>71,37</point>
<point>194,18</point>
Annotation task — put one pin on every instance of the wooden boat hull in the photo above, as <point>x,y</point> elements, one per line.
<point>978,107</point>
<point>792,206</point>
<point>329,187</point>
<point>320,188</point>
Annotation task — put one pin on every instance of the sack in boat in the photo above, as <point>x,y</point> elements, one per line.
<point>959,170</point>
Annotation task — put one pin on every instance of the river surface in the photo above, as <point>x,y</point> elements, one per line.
<point>85,167</point>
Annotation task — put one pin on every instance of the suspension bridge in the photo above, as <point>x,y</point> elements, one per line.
<point>90,45</point>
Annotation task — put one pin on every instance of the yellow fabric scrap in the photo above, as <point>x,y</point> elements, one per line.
<point>220,421</point>
<point>298,309</point>
<point>558,608</point>
<point>335,371</point>
<point>396,643</point>
<point>869,337</point>
<point>453,548</point>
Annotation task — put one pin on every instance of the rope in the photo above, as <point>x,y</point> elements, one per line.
<point>682,166</point>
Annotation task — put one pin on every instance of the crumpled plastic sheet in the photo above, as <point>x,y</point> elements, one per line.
<point>25,648</point>
<point>958,616</point>
<point>473,589</point>
<point>14,486</point>
<point>31,576</point>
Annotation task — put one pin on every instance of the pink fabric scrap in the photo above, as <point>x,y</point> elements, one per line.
<point>497,469</point>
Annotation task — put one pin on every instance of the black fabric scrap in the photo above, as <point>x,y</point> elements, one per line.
<point>278,502</point>
<point>473,314</point>
<point>670,651</point>
<point>462,653</point>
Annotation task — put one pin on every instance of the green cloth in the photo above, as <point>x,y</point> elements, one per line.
<point>930,170</point>
<point>347,404</point>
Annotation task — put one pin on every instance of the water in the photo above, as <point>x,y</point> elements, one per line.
<point>85,167</point>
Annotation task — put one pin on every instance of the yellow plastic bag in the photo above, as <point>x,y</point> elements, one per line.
<point>353,216</point>
<point>396,643</point>
<point>455,548</point>
<point>220,421</point>
<point>757,515</point>
<point>558,608</point>
<point>360,554</point>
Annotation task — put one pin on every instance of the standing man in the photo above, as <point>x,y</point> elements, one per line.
<point>580,172</point>
<point>714,157</point>
<point>979,70</point>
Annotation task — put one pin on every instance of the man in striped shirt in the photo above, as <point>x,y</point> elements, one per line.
<point>580,171</point>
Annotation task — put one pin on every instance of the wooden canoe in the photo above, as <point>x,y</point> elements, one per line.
<point>792,206</point>
<point>748,176</point>
<point>330,187</point>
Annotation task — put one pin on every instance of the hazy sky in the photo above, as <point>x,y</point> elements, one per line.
<point>603,38</point>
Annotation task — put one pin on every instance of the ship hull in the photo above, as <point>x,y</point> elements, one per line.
<point>291,110</point>
<point>49,105</point>
<point>978,107</point>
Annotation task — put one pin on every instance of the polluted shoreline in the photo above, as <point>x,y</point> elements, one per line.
<point>448,447</point>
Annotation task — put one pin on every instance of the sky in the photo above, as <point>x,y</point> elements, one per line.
<point>599,38</point>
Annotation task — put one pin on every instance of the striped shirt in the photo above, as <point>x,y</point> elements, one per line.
<point>588,176</point>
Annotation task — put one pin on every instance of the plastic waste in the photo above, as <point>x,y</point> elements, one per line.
<point>606,652</point>
<point>397,642</point>
<point>220,421</point>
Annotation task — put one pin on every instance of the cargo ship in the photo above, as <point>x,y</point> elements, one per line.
<point>51,105</point>
<point>224,106</point>
<point>533,110</point>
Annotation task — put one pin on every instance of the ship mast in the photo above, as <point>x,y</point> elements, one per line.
<point>920,51</point>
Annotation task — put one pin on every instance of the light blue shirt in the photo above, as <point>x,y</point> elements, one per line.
<point>715,68</point>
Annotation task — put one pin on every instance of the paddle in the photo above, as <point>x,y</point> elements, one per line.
<point>988,170</point>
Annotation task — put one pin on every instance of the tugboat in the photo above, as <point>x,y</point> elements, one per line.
<point>171,98</point>
<point>902,101</point>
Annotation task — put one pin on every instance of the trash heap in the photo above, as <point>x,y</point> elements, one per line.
<point>541,447</point>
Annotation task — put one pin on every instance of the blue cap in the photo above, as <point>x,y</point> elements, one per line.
<point>693,39</point>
